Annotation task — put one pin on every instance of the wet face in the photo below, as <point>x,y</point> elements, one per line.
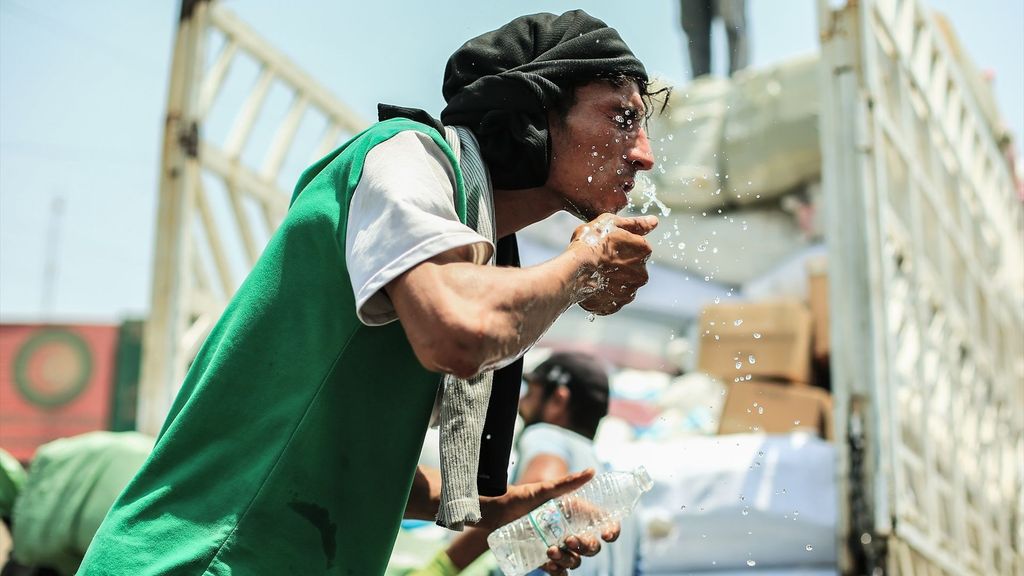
<point>598,148</point>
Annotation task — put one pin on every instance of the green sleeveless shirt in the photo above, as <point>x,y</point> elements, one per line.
<point>292,445</point>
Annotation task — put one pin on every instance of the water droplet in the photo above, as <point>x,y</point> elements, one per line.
<point>671,136</point>
<point>737,322</point>
<point>590,317</point>
<point>865,538</point>
<point>760,409</point>
<point>739,365</point>
<point>796,422</point>
<point>757,335</point>
<point>808,547</point>
<point>702,246</point>
<point>682,245</point>
<point>746,510</point>
<point>751,563</point>
<point>590,179</point>
<point>751,359</point>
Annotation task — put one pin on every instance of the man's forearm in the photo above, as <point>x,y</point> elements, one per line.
<point>519,305</point>
<point>425,494</point>
<point>462,318</point>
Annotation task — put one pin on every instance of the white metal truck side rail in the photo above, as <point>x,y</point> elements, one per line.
<point>204,247</point>
<point>925,240</point>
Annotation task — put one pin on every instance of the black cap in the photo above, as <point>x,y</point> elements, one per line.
<point>587,380</point>
<point>576,370</point>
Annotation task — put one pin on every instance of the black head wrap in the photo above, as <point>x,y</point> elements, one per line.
<point>501,84</point>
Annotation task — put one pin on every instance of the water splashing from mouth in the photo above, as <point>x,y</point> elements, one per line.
<point>642,184</point>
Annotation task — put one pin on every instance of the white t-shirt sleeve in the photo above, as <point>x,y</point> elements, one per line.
<point>538,440</point>
<point>402,213</point>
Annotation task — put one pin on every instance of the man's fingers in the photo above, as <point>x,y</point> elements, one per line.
<point>554,569</point>
<point>560,559</point>
<point>637,224</point>
<point>565,484</point>
<point>611,532</point>
<point>583,545</point>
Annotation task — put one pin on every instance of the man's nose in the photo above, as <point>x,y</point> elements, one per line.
<point>639,154</point>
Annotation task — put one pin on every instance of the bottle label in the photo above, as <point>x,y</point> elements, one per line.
<point>549,523</point>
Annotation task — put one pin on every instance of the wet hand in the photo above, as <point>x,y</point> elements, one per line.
<point>570,555</point>
<point>621,253</point>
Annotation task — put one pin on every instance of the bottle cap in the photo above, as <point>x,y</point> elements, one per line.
<point>643,478</point>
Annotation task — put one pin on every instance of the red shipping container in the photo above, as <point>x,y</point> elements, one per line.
<point>55,381</point>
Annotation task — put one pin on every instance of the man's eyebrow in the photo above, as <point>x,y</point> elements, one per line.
<point>632,110</point>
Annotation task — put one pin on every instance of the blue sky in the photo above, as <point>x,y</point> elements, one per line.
<point>83,89</point>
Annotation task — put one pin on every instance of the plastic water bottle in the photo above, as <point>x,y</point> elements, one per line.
<point>522,545</point>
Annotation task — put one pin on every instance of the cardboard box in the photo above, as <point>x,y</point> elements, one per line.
<point>767,340</point>
<point>817,299</point>
<point>772,408</point>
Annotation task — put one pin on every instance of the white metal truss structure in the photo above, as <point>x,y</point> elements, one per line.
<point>925,236</point>
<point>218,206</point>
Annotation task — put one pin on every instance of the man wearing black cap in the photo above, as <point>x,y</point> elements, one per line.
<point>565,398</point>
<point>292,445</point>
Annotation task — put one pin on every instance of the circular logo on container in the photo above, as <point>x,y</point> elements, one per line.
<point>52,368</point>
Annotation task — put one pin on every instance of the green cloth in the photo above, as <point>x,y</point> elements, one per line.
<point>70,486</point>
<point>292,445</point>
<point>12,479</point>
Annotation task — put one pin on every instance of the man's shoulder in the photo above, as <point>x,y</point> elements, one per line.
<point>388,129</point>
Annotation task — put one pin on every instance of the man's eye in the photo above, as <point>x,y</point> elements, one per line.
<point>625,120</point>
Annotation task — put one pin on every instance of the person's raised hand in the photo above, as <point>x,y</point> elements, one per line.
<point>520,499</point>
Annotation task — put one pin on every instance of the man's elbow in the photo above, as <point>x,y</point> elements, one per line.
<point>459,348</point>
